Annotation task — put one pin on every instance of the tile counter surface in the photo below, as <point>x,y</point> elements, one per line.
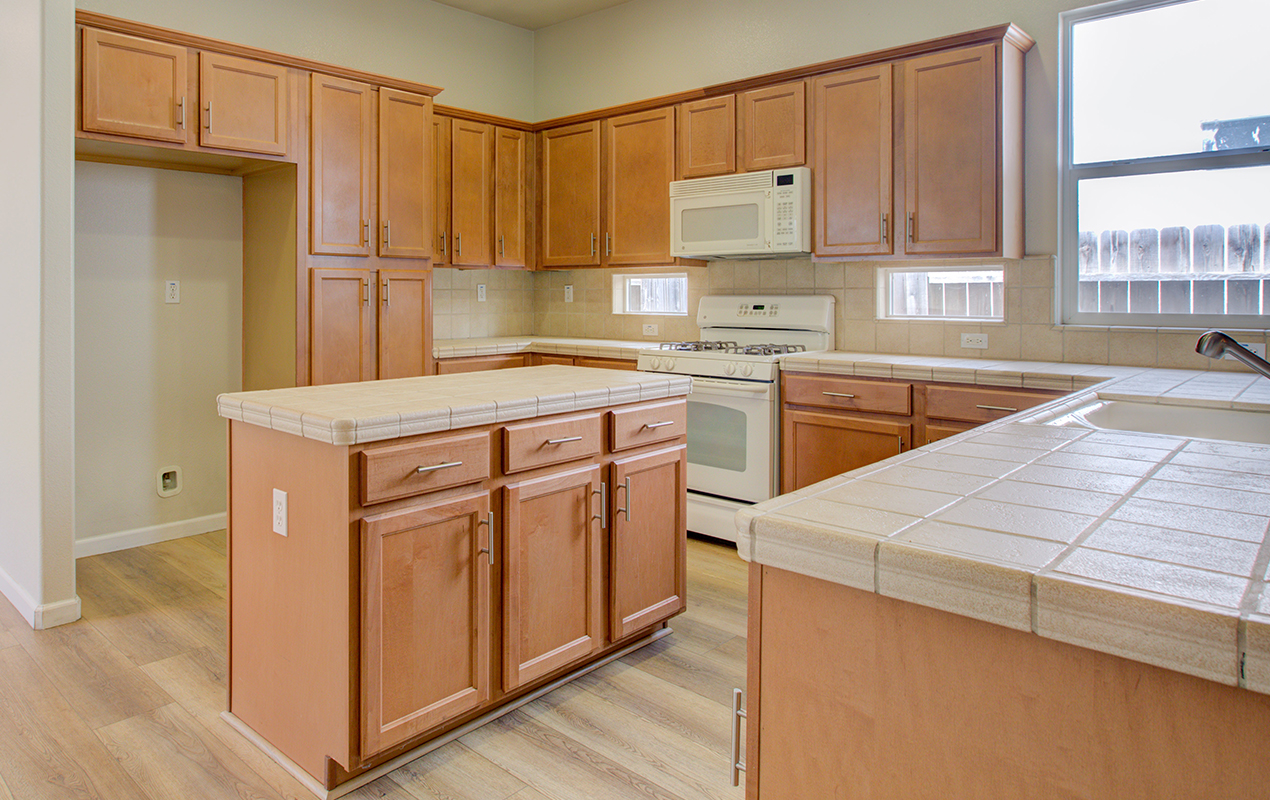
<point>356,413</point>
<point>1145,546</point>
<point>595,348</point>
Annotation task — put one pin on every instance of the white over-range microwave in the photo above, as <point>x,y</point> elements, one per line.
<point>751,215</point>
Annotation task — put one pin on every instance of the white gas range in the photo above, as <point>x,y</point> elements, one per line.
<point>734,408</point>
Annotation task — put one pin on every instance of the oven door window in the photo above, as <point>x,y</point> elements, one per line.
<point>717,436</point>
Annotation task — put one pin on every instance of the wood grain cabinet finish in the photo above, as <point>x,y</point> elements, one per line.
<point>510,190</point>
<point>243,104</point>
<point>342,336</point>
<point>426,619</point>
<point>471,176</point>
<point>135,87</point>
<point>393,471</point>
<point>452,366</point>
<point>553,573</point>
<point>405,175</point>
<point>771,126</point>
<point>442,177</point>
<point>639,166</point>
<point>819,445</point>
<point>706,137</point>
<point>342,133</point>
<point>404,329</point>
<point>571,196</point>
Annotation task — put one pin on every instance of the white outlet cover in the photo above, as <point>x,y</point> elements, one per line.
<point>568,293</point>
<point>650,329</point>
<point>480,293</point>
<point>974,341</point>
<point>171,291</point>
<point>280,512</point>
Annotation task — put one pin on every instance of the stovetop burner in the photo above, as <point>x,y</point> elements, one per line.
<point>732,348</point>
<point>696,347</point>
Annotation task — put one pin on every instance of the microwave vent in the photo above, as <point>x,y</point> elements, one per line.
<point>745,181</point>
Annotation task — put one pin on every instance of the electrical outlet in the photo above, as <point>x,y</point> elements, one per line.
<point>974,341</point>
<point>650,329</point>
<point>172,292</point>
<point>568,293</point>
<point>480,293</point>
<point>280,512</point>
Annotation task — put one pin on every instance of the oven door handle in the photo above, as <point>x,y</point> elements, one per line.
<point>739,388</point>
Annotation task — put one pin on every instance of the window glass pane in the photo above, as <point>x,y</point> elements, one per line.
<point>718,436</point>
<point>944,293</point>
<point>650,294</point>
<point>1180,79</point>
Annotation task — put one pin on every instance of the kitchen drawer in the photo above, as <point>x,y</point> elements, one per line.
<point>976,404</point>
<point>537,444</point>
<point>402,470</point>
<point>632,427</point>
<point>886,397</point>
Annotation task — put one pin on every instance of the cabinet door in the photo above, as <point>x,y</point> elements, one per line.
<point>341,130</point>
<point>509,197</point>
<point>772,127</point>
<point>648,547</point>
<point>950,151</point>
<point>405,335</point>
<point>341,334</point>
<point>451,366</point>
<point>640,164</point>
<point>405,175</point>
<point>818,446</point>
<point>471,159</point>
<point>571,196</point>
<point>134,87</point>
<point>243,104</point>
<point>426,617</point>
<point>853,162</point>
<point>441,197</point>
<point>707,137</point>
<point>552,574</point>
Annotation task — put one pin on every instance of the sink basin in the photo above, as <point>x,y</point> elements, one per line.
<point>1195,422</point>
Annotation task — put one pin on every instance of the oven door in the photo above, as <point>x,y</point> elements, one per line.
<point>731,446</point>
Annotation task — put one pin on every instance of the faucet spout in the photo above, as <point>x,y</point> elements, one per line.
<point>1215,344</point>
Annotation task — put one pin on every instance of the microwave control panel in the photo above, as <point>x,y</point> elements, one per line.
<point>785,206</point>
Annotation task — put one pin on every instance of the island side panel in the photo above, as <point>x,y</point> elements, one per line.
<point>867,696</point>
<point>289,626</point>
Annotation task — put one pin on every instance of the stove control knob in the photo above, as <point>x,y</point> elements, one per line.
<point>655,362</point>
<point>748,371</point>
<point>670,364</point>
<point>730,369</point>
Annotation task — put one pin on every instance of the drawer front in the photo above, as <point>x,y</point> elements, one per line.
<point>884,397</point>
<point>974,404</point>
<point>403,470</point>
<point>537,444</point>
<point>632,427</point>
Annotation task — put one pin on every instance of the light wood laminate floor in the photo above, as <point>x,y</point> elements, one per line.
<point>125,703</point>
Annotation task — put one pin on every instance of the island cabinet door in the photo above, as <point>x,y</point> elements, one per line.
<point>648,540</point>
<point>552,574</point>
<point>425,636</point>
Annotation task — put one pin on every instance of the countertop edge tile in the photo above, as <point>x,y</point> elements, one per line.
<point>977,588</point>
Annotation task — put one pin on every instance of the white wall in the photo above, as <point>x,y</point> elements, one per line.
<point>481,64</point>
<point>146,372</point>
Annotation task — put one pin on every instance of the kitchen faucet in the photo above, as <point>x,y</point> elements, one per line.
<point>1216,344</point>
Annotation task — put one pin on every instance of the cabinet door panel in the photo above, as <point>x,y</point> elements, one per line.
<point>772,127</point>
<point>135,87</point>
<point>341,334</point>
<point>441,198</point>
<point>509,197</point>
<point>571,196</point>
<point>405,323</point>
<point>707,137</point>
<point>950,151</point>
<point>853,162</point>
<point>341,131</point>
<point>243,104</point>
<point>640,166</point>
<point>552,602</point>
<point>426,619</point>
<point>472,146</point>
<point>819,446</point>
<point>648,546</point>
<point>405,175</point>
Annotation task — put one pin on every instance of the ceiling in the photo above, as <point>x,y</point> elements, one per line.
<point>531,14</point>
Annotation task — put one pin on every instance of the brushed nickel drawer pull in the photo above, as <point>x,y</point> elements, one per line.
<point>488,522</point>
<point>444,242</point>
<point>626,485</point>
<point>838,394</point>
<point>180,107</point>
<point>592,242</point>
<point>209,117</point>
<point>365,232</point>
<point>884,230</point>
<point>435,467</point>
<point>997,408</point>
<point>651,425</point>
<point>603,516</point>
<point>738,714</point>
<point>565,439</point>
<point>387,233</point>
<point>911,215</point>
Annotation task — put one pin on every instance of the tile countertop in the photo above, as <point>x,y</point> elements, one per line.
<point>356,413</point>
<point>1145,546</point>
<point>596,348</point>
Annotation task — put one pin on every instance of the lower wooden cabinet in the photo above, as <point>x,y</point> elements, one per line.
<point>538,359</point>
<point>451,366</point>
<point>819,445</point>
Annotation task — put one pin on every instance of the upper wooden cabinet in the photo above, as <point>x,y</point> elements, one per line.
<point>442,180</point>
<point>342,131</point>
<point>481,194</point>
<point>243,104</point>
<point>510,191</point>
<point>405,175</point>
<point>771,126</point>
<point>471,176</point>
<point>639,164</point>
<point>571,196</point>
<point>707,137</point>
<point>135,87</point>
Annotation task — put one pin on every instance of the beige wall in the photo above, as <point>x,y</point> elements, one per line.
<point>508,309</point>
<point>146,372</point>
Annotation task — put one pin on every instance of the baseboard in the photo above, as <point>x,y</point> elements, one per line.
<point>110,542</point>
<point>39,617</point>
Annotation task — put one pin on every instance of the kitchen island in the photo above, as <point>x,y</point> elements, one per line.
<point>1034,608</point>
<point>412,556</point>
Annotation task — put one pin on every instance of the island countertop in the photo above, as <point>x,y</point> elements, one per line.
<point>1147,546</point>
<point>370,411</point>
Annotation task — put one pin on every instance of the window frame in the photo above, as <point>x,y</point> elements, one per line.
<point>882,282</point>
<point>1066,306</point>
<point>620,287</point>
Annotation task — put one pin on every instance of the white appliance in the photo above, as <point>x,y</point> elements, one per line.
<point>750,215</point>
<point>734,407</point>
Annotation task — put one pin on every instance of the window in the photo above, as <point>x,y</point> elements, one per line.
<point>1165,210</point>
<point>651,294</point>
<point>941,293</point>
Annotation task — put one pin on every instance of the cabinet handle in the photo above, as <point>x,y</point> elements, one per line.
<point>502,249</point>
<point>180,113</point>
<point>388,233</point>
<point>626,485</point>
<point>603,516</point>
<point>738,714</point>
<point>652,425</point>
<point>997,408</point>
<point>386,281</point>
<point>910,226</point>
<point>901,438</point>
<point>565,439</point>
<point>885,232</point>
<point>208,123</point>
<point>435,467</point>
<point>608,244</point>
<point>592,242</point>
<point>458,244</point>
<point>366,291</point>
<point>837,394</point>
<point>445,242</point>
<point>488,522</point>
<point>365,232</point>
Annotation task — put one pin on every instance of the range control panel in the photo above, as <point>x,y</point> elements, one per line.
<point>806,312</point>
<point>758,310</point>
